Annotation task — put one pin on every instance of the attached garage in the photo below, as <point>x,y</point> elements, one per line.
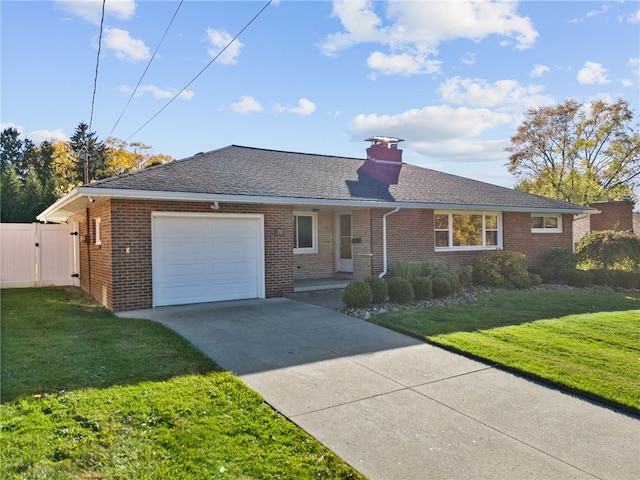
<point>206,257</point>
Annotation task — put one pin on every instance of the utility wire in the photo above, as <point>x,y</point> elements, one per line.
<point>95,78</point>
<point>147,68</point>
<point>201,71</point>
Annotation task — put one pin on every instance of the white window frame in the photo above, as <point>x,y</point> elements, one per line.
<point>544,229</point>
<point>452,248</point>
<point>98,239</point>
<point>314,233</point>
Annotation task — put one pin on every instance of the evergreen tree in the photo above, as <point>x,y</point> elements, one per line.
<point>89,153</point>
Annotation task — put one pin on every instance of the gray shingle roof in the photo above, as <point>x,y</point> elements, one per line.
<point>254,172</point>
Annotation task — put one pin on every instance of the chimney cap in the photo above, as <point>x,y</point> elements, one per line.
<point>384,140</point>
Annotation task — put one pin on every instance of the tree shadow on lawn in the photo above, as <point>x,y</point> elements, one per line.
<point>505,308</point>
<point>56,339</point>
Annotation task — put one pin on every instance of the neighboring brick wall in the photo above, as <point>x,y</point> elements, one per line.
<point>123,281</point>
<point>517,236</point>
<point>323,263</point>
<point>615,215</point>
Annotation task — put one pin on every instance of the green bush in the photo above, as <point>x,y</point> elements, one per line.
<point>400,290</point>
<point>575,278</point>
<point>379,289</point>
<point>616,278</point>
<point>558,258</point>
<point>502,269</point>
<point>609,250</point>
<point>535,279</point>
<point>442,285</point>
<point>422,288</point>
<point>463,274</point>
<point>414,269</point>
<point>357,295</point>
<point>546,274</point>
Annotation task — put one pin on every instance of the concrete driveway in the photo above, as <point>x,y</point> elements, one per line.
<point>397,408</point>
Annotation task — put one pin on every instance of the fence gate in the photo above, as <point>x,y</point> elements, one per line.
<point>37,255</point>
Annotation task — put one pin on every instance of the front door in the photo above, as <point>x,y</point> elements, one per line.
<point>345,254</point>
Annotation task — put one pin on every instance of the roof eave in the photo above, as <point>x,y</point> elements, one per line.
<point>59,209</point>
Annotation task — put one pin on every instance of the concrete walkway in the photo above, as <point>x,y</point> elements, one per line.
<point>397,408</point>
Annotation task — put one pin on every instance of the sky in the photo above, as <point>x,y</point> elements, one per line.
<point>454,79</point>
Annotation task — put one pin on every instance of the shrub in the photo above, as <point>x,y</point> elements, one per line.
<point>379,289</point>
<point>610,250</point>
<point>545,273</point>
<point>575,278</point>
<point>616,278</point>
<point>463,274</point>
<point>442,285</point>
<point>535,279</point>
<point>357,295</point>
<point>415,269</point>
<point>502,269</point>
<point>558,258</point>
<point>400,290</point>
<point>422,288</point>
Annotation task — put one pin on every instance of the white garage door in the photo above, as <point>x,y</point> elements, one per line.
<point>206,258</point>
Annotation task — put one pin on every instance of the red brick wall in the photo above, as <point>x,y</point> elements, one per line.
<point>410,238</point>
<point>517,236</point>
<point>321,264</point>
<point>123,281</point>
<point>615,215</point>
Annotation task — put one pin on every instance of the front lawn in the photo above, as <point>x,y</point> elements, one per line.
<point>88,395</point>
<point>586,340</point>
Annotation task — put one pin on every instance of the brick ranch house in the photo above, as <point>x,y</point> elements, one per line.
<point>241,222</point>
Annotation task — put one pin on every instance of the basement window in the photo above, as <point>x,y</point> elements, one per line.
<point>305,232</point>
<point>467,231</point>
<point>546,223</point>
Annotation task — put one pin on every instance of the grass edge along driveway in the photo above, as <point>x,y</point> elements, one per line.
<point>86,394</point>
<point>584,340</point>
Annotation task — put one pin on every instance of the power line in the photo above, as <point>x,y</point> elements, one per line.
<point>201,71</point>
<point>147,68</point>
<point>95,78</point>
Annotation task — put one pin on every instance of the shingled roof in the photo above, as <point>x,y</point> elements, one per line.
<point>249,174</point>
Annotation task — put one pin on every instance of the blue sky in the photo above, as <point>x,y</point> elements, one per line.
<point>454,79</point>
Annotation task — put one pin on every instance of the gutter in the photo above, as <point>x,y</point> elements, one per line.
<point>64,207</point>
<point>384,241</point>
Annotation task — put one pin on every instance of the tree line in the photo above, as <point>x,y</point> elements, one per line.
<point>32,177</point>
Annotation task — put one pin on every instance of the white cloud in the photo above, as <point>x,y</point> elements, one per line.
<point>403,64</point>
<point>91,10</point>
<point>304,107</point>
<point>53,136</point>
<point>159,93</point>
<point>124,46</point>
<point>469,58</point>
<point>592,73</point>
<point>507,94</point>
<point>430,124</point>
<point>414,30</point>
<point>539,70</point>
<point>37,136</point>
<point>634,17</point>
<point>634,63</point>
<point>246,104</point>
<point>218,40</point>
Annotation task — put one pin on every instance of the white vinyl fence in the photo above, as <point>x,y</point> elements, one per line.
<point>37,255</point>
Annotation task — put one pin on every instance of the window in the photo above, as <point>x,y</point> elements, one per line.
<point>546,223</point>
<point>97,233</point>
<point>467,231</point>
<point>305,232</point>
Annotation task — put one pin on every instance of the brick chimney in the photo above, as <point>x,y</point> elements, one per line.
<point>384,159</point>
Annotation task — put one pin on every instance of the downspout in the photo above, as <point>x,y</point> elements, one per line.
<point>384,241</point>
<point>88,239</point>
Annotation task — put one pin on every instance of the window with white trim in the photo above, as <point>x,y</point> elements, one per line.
<point>467,230</point>
<point>97,232</point>
<point>305,232</point>
<point>541,223</point>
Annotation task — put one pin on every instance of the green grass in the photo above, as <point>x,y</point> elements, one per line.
<point>88,395</point>
<point>585,340</point>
